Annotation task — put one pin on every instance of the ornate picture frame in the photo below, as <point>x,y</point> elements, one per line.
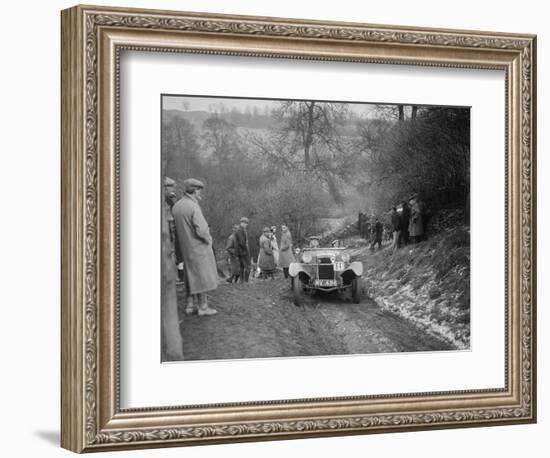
<point>92,40</point>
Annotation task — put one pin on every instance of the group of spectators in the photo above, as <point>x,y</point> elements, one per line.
<point>194,253</point>
<point>407,224</point>
<point>371,229</point>
<point>271,256</point>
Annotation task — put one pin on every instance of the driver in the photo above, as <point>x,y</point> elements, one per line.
<point>313,242</point>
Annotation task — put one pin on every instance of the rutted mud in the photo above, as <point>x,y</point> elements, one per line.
<point>259,320</point>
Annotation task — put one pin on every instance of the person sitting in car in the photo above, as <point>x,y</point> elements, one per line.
<point>313,242</point>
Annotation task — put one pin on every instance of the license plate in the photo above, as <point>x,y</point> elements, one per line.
<point>325,282</point>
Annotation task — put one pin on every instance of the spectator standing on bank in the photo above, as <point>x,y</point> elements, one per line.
<point>196,248</point>
<point>286,255</point>
<point>243,250</point>
<point>416,228</point>
<point>377,230</point>
<point>365,226</point>
<point>404,223</point>
<point>424,215</point>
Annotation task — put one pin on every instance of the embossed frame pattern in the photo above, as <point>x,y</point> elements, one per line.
<point>92,39</point>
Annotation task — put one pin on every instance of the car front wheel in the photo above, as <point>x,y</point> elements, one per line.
<point>297,291</point>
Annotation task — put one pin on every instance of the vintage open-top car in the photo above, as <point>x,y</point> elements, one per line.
<point>325,269</point>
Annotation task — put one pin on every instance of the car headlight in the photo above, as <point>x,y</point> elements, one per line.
<point>306,257</point>
<point>332,259</point>
<point>345,257</point>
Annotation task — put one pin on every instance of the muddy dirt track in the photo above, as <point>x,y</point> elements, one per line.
<point>259,320</point>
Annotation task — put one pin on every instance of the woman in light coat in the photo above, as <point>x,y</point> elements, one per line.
<point>266,260</point>
<point>286,255</point>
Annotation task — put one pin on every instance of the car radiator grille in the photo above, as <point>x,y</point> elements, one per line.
<point>326,272</point>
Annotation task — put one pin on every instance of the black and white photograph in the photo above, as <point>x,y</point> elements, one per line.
<point>314,228</point>
<point>275,229</point>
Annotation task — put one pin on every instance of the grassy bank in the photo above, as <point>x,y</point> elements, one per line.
<point>427,283</point>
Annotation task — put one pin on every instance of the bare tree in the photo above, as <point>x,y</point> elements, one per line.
<point>310,137</point>
<point>429,155</point>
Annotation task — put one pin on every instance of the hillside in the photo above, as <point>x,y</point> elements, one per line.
<point>240,120</point>
<point>427,283</point>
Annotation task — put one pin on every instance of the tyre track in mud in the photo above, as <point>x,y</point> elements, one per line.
<point>259,320</point>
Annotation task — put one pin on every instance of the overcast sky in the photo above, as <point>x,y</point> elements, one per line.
<point>193,103</point>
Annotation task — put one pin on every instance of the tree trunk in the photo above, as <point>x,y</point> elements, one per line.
<point>308,137</point>
<point>172,343</point>
<point>413,112</point>
<point>334,190</point>
<point>401,113</point>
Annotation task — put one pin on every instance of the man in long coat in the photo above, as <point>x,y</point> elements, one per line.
<point>243,249</point>
<point>404,220</point>
<point>377,230</point>
<point>196,248</point>
<point>172,344</point>
<point>416,228</point>
<point>266,258</point>
<point>233,258</point>
<point>362,225</point>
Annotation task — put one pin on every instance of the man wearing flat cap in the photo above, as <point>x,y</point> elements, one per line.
<point>195,242</point>
<point>243,250</point>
